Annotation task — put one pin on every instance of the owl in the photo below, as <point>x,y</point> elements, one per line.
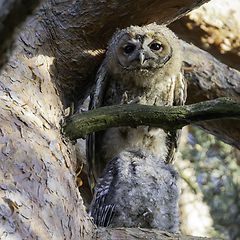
<point>137,189</point>
<point>143,66</point>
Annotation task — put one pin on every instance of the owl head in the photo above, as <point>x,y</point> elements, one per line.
<point>151,47</point>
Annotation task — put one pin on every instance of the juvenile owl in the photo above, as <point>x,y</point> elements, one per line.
<point>137,189</point>
<point>142,65</point>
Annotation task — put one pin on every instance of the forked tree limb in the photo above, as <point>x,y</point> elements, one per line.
<point>166,117</point>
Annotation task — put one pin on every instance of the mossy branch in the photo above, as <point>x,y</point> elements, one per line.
<point>166,117</point>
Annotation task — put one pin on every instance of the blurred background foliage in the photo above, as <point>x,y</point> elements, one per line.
<point>214,166</point>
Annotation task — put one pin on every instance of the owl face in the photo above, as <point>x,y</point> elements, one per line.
<point>148,49</point>
<point>136,50</point>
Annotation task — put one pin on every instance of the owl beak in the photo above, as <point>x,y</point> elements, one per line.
<point>141,57</point>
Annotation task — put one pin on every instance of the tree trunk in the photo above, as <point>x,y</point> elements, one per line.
<point>39,198</point>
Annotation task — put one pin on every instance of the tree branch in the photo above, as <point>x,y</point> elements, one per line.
<point>166,117</point>
<point>140,233</point>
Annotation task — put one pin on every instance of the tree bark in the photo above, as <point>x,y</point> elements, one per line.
<point>39,198</point>
<point>12,15</point>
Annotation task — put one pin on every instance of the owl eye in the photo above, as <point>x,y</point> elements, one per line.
<point>129,49</point>
<point>156,46</point>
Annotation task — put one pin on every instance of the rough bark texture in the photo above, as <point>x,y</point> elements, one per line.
<point>12,14</point>
<point>39,198</point>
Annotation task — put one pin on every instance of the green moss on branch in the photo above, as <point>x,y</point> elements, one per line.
<point>166,117</point>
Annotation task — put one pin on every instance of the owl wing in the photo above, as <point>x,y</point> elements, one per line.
<point>180,91</point>
<point>93,161</point>
<point>103,204</point>
<point>180,95</point>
